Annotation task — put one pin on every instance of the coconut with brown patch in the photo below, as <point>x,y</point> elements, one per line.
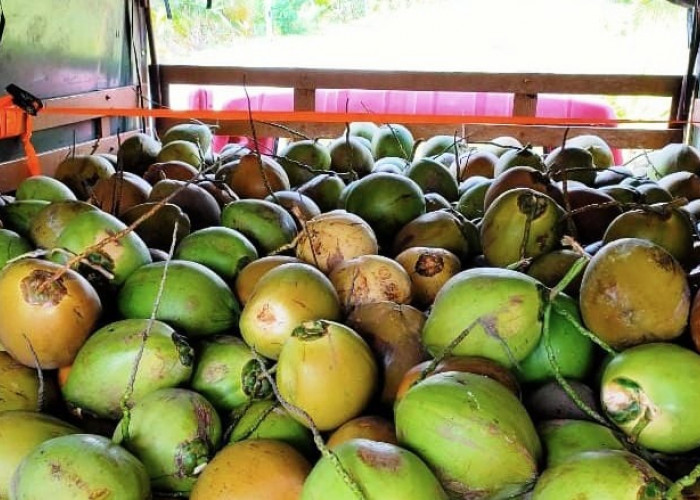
<point>429,269</point>
<point>370,278</point>
<point>84,466</point>
<point>332,238</point>
<point>649,392</point>
<point>102,370</point>
<point>41,293</point>
<point>473,433</point>
<point>249,276</point>
<point>185,442</point>
<point>520,224</point>
<point>633,291</point>
<point>228,374</point>
<point>602,474</point>
<point>377,470</point>
<point>285,297</point>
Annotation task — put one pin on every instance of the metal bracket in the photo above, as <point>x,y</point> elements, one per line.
<point>29,103</point>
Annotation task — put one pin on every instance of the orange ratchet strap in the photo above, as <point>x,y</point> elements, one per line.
<point>324,117</point>
<point>16,112</point>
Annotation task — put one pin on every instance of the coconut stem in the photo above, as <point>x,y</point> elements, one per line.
<point>557,372</point>
<point>446,351</point>
<point>40,374</point>
<point>526,231</point>
<point>675,491</point>
<point>128,393</point>
<point>261,418</point>
<point>570,276</point>
<point>583,331</point>
<point>318,439</point>
<point>304,228</point>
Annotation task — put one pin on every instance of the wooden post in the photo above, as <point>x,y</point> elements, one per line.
<point>525,105</point>
<point>304,99</point>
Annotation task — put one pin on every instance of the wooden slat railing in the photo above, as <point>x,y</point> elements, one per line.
<point>525,86</point>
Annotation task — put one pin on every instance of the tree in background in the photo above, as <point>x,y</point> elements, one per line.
<point>195,27</point>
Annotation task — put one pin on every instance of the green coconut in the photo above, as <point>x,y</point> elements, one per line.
<point>386,202</point>
<point>81,172</point>
<point>198,134</point>
<point>362,129</point>
<point>674,157</point>
<point>433,177</point>
<point>80,467</point>
<point>521,223</point>
<point>327,370</point>
<point>19,215</point>
<point>12,245</point>
<point>380,471</point>
<point>392,140</point>
<point>223,250</point>
<point>267,419</point>
<point>137,153</point>
<point>195,299</point>
<point>551,268</point>
<point>573,353</point>
<point>299,205</point>
<point>43,187</point>
<point>438,145</point>
<point>227,373</point>
<point>267,225</point>
<point>199,204</point>
<point>668,227</point>
<point>101,373</point>
<point>181,150</point>
<point>571,163</point>
<point>435,202</point>
<point>564,438</point>
<point>183,443</point>
<point>120,257</point>
<point>440,229</point>
<point>622,194</point>
<point>502,308</point>
<point>21,432</point>
<point>649,391</point>
<point>324,189</point>
<point>19,385</point>
<point>473,432</point>
<point>597,147</point>
<point>523,157</point>
<point>348,155</point>
<point>49,223</point>
<point>501,145</point>
<point>601,474</point>
<point>471,203</point>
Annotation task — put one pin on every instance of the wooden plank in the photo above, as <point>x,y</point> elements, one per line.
<point>541,135</point>
<point>111,98</point>
<point>525,105</point>
<point>527,83</point>
<point>304,99</point>
<point>13,172</point>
